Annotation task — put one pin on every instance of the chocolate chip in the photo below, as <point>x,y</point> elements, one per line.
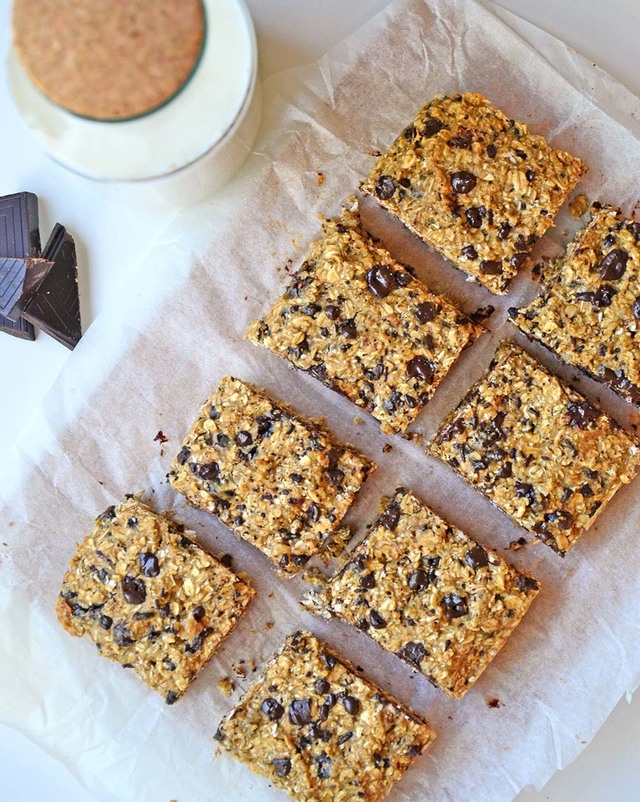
<point>351,705</point>
<point>526,583</point>
<point>503,231</point>
<point>421,368</point>
<point>321,686</point>
<point>380,280</point>
<point>525,490</point>
<point>219,735</point>
<point>313,512</point>
<point>324,766</point>
<point>344,738</point>
<point>300,712</point>
<point>634,229</point>
<point>265,425</point>
<point>385,187</point>
<point>105,621</point>
<point>431,127</point>
<point>419,579</point>
<point>209,471</point>
<point>413,653</point>
<point>149,564</point>
<point>489,267</point>
<point>402,279</point>
<point>636,308</point>
<point>474,218</point>
<point>562,518</point>
<point>415,749</point>
<point>517,259</point>
<point>223,440</point>
<point>425,312</point>
<point>198,612</point>
<point>281,766</point>
<point>108,515</point>
<point>171,697</point>
<point>376,620</point>
<point>213,413</point>
<point>390,517</point>
<point>581,414</point>
<point>521,154</point>
<point>335,476</point>
<point>368,581</point>
<point>184,454</point>
<point>476,557</point>
<point>244,438</point>
<point>492,151</point>
<point>133,590</point>
<point>121,635</point>
<point>454,606</point>
<point>329,659</point>
<point>332,312</point>
<point>529,175</point>
<point>463,182</point>
<point>470,252</point>
<point>272,708</point>
<point>614,264</point>
<point>347,329</point>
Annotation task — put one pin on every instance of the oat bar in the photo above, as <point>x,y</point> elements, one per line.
<point>425,591</point>
<point>320,731</point>
<point>149,597</point>
<point>537,448</point>
<point>589,311</point>
<point>360,323</point>
<point>475,185</point>
<point>277,480</point>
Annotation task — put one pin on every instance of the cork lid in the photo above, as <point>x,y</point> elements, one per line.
<point>109,60</point>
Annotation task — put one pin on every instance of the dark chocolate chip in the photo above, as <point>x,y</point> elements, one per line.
<point>351,705</point>
<point>281,766</point>
<point>385,187</point>
<point>108,515</point>
<point>313,512</point>
<point>463,182</point>
<point>517,259</point>
<point>402,279</point>
<point>425,312</point>
<point>219,735</point>
<point>413,653</point>
<point>454,606</point>
<point>521,154</point>
<point>184,454</point>
<point>329,659</point>
<point>134,590</point>
<point>526,583</point>
<point>415,749</point>
<point>476,557</point>
<point>300,712</point>
<point>380,280</point>
<point>223,440</point>
<point>390,517</point>
<point>419,579</point>
<point>431,126</point>
<point>209,471</point>
<point>344,738</point>
<point>105,621</point>
<point>525,490</point>
<point>171,698</point>
<point>474,218</point>
<point>198,612</point>
<point>335,476</point>
<point>272,709</point>
<point>121,635</point>
<point>376,620</point>
<point>347,329</point>
<point>213,413</point>
<point>636,308</point>
<point>470,252</point>
<point>368,581</point>
<point>324,766</point>
<point>614,264</point>
<point>149,564</point>
<point>421,368</point>
<point>332,312</point>
<point>581,414</point>
<point>489,267</point>
<point>265,425</point>
<point>321,686</point>
<point>503,231</point>
<point>244,438</point>
<point>492,151</point>
<point>529,175</point>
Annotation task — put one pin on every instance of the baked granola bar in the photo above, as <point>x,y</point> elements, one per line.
<point>320,731</point>
<point>361,324</point>
<point>428,593</point>
<point>475,185</point>
<point>589,311</point>
<point>537,448</point>
<point>277,480</point>
<point>149,597</point>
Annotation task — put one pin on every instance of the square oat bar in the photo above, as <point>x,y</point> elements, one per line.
<point>361,324</point>
<point>537,448</point>
<point>589,311</point>
<point>277,480</point>
<point>475,185</point>
<point>428,593</point>
<point>320,731</point>
<point>150,598</point>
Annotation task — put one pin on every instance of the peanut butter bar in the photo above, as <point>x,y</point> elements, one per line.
<point>361,324</point>
<point>589,311</point>
<point>150,598</point>
<point>428,593</point>
<point>537,449</point>
<point>320,731</point>
<point>475,185</point>
<point>277,480</point>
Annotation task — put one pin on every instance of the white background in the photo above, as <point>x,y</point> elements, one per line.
<point>112,238</point>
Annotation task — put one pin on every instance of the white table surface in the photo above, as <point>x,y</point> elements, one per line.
<point>110,238</point>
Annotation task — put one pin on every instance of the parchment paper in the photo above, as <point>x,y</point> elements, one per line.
<point>149,361</point>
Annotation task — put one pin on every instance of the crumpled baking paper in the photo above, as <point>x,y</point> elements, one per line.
<point>149,361</point>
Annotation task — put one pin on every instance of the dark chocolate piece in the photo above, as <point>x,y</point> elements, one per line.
<point>19,236</point>
<point>19,281</point>
<point>56,307</point>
